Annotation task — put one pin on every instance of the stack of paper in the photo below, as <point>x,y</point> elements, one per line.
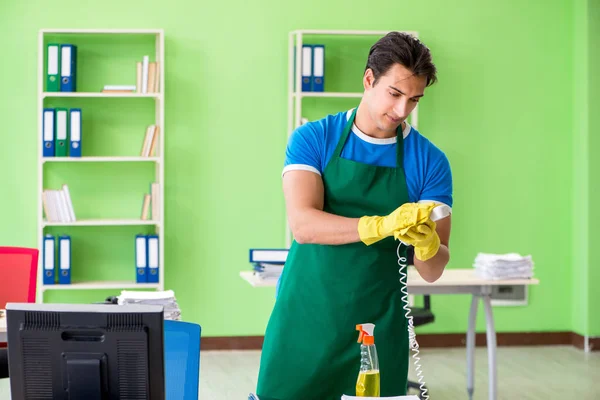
<point>268,271</point>
<point>165,299</point>
<point>503,266</point>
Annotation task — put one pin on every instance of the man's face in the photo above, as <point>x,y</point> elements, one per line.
<point>391,100</point>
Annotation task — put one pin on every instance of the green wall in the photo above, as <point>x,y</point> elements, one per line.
<point>581,193</point>
<point>594,176</point>
<point>502,112</point>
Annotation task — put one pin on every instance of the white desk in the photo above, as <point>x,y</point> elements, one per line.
<point>453,281</point>
<point>3,327</point>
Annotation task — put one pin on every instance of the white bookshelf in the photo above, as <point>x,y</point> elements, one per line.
<point>330,94</point>
<point>100,159</point>
<point>104,222</point>
<point>103,285</point>
<point>295,93</point>
<point>158,160</point>
<point>99,94</point>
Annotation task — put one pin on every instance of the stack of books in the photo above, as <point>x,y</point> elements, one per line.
<point>58,206</point>
<point>147,76</point>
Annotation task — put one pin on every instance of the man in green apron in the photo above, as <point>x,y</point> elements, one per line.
<point>352,182</point>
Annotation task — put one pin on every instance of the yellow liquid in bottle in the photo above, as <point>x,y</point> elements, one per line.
<point>367,384</point>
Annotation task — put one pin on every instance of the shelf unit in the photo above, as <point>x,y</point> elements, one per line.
<point>159,45</point>
<point>295,93</point>
<point>99,94</point>
<point>101,159</point>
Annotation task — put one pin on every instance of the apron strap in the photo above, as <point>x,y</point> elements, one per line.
<point>345,132</point>
<point>399,147</point>
<point>348,127</point>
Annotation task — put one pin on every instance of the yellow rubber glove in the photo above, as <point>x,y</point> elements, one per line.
<point>423,237</point>
<point>372,229</point>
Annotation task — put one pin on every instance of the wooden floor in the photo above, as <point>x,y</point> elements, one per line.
<point>524,373</point>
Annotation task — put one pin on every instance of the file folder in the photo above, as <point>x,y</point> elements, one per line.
<point>318,82</point>
<point>141,257</point>
<point>306,67</point>
<point>48,132</point>
<point>60,147</point>
<point>64,257</point>
<point>49,258</point>
<point>271,256</point>
<point>75,132</point>
<point>153,251</point>
<point>52,68</point>
<point>68,68</point>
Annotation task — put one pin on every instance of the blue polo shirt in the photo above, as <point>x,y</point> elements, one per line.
<point>427,170</point>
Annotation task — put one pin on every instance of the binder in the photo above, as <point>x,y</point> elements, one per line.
<point>141,257</point>
<point>75,132</point>
<point>60,147</point>
<point>153,252</point>
<point>68,68</point>
<point>318,81</point>
<point>271,256</point>
<point>48,132</point>
<point>52,67</point>
<point>64,259</point>
<point>49,258</point>
<point>306,67</point>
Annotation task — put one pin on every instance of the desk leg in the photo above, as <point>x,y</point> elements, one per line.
<point>491,345</point>
<point>471,346</point>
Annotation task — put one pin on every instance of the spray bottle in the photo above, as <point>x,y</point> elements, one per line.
<point>367,384</point>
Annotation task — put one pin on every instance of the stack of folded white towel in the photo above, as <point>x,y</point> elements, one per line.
<point>503,266</point>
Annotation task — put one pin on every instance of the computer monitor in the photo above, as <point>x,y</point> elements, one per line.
<point>85,351</point>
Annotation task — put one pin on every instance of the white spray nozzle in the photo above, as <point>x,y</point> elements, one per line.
<point>366,330</point>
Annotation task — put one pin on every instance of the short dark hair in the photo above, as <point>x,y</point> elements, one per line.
<point>401,48</point>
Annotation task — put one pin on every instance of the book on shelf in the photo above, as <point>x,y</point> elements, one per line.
<point>150,204</point>
<point>150,141</point>
<point>147,76</point>
<point>57,205</point>
<point>146,207</point>
<point>147,79</point>
<point>119,89</point>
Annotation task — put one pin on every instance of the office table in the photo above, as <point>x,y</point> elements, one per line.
<point>452,281</point>
<point>2,327</point>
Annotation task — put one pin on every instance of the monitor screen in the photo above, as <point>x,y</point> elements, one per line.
<point>85,351</point>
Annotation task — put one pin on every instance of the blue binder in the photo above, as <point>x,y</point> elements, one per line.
<point>75,132</point>
<point>141,257</point>
<point>64,257</point>
<point>48,260</point>
<point>270,256</point>
<point>318,81</point>
<point>153,259</point>
<point>48,131</point>
<point>68,68</point>
<point>307,66</point>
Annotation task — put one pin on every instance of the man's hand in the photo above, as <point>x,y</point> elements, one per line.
<point>424,238</point>
<point>372,229</point>
<point>433,268</point>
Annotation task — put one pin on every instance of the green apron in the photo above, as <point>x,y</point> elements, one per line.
<point>310,349</point>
